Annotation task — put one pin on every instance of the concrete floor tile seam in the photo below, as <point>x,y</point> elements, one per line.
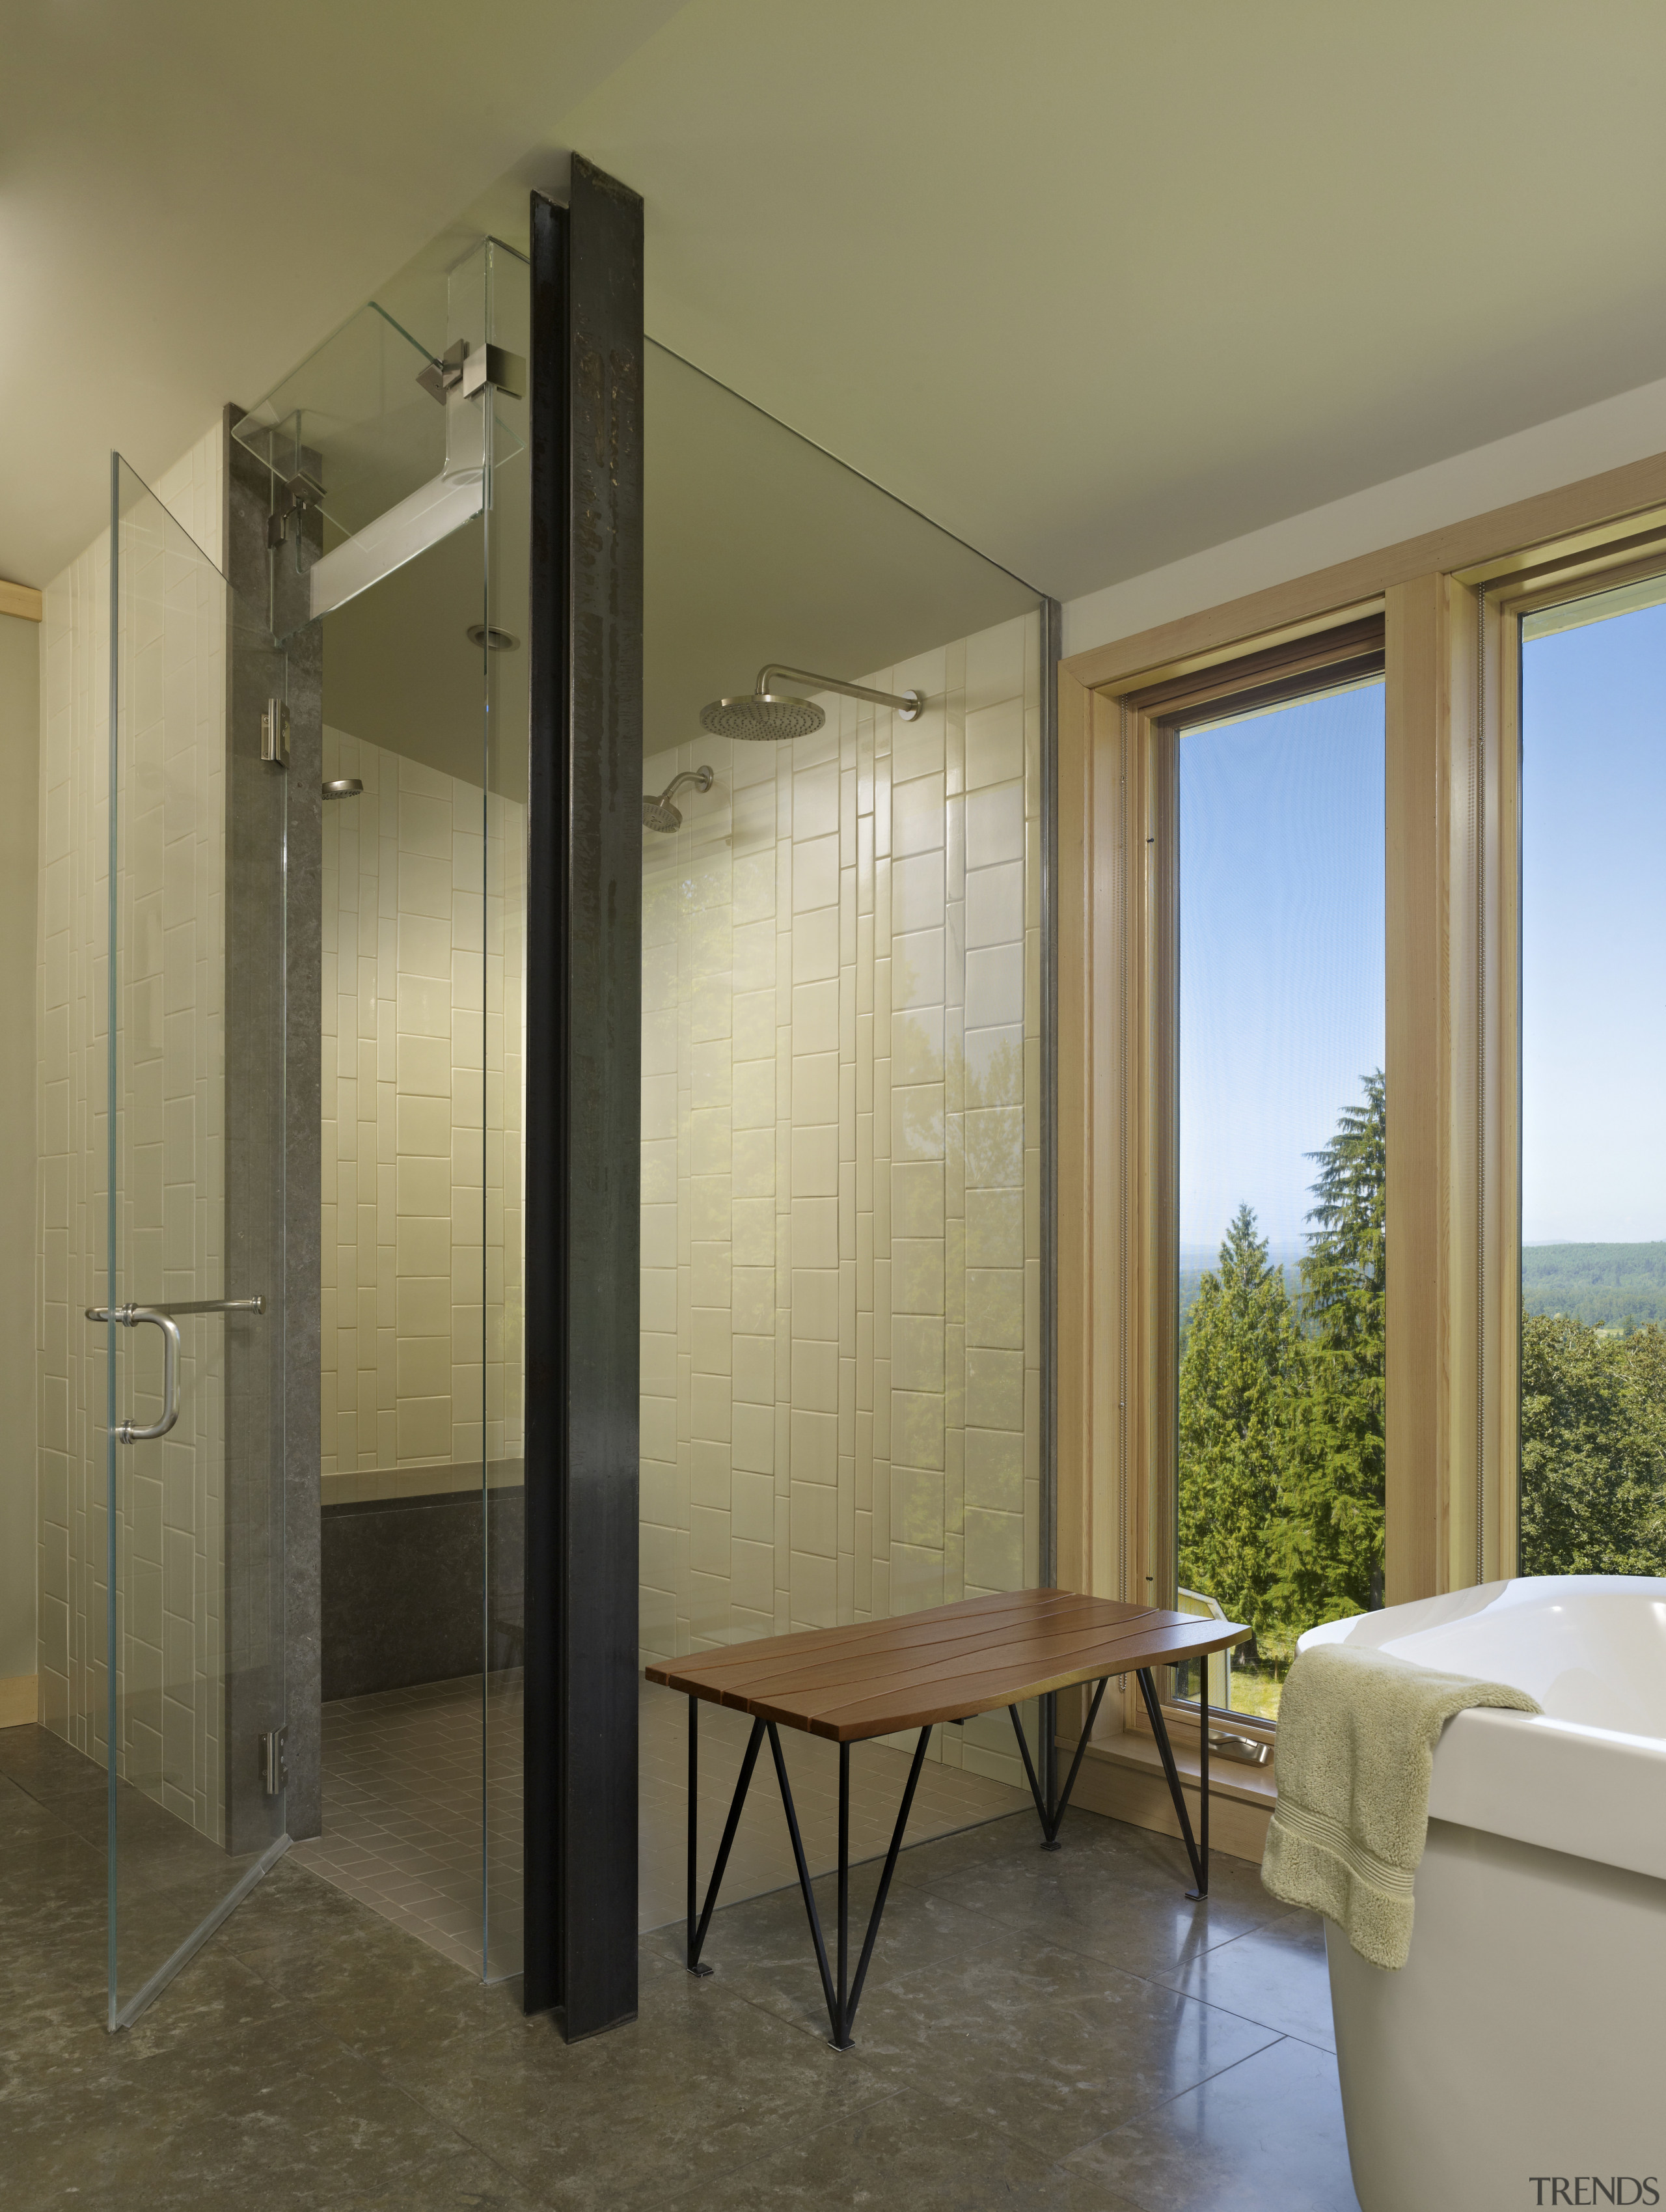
<point>1061,1938</point>
<point>1214,2003</point>
<point>1144,2113</point>
<point>513,2196</point>
<point>699,2195</point>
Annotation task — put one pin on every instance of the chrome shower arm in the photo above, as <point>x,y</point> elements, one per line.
<point>909,704</point>
<point>700,777</point>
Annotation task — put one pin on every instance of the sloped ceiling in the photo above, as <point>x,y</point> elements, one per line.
<point>194,194</point>
<point>1092,282</point>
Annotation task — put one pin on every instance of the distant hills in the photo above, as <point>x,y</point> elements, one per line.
<point>1608,1283</point>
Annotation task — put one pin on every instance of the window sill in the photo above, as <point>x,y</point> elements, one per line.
<point>1136,1752</point>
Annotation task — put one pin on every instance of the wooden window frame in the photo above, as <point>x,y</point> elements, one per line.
<point>1450,603</point>
<point>1151,721</point>
<point>1498,607</point>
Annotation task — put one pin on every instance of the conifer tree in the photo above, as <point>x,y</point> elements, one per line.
<point>1328,1539</point>
<point>1235,1392</point>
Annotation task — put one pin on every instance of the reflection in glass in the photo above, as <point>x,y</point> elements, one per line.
<point>1281,1152</point>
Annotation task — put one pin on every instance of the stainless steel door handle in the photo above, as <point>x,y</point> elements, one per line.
<point>188,1306</point>
<point>130,1317</point>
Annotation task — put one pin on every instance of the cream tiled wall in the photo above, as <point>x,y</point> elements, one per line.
<point>423,881</point>
<point>841,1167</point>
<point>171,982</point>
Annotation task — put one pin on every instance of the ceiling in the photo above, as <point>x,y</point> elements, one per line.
<point>193,195</point>
<point>1092,283</point>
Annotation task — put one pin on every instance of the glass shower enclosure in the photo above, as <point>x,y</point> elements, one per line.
<point>396,461</point>
<point>844,1011</point>
<point>163,1300</point>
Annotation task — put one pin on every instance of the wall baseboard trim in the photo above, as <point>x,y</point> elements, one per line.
<point>20,1699</point>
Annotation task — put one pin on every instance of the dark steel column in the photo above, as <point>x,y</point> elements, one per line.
<point>584,992</point>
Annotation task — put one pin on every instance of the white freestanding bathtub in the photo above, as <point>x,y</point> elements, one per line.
<point>1525,2040</point>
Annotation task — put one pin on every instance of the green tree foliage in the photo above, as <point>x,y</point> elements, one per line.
<point>1280,1416</point>
<point>1329,1537</point>
<point>1235,1395</point>
<point>1593,1460</point>
<point>1281,1407</point>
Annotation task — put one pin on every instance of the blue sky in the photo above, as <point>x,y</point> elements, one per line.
<point>1282,942</point>
<point>1280,822</point>
<point>1593,932</point>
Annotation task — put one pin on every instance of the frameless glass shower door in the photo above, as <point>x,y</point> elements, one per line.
<point>403,440</point>
<point>172,1220</point>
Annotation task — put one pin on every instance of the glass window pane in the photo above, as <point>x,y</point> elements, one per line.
<point>1593,1381</point>
<point>1281,1266</point>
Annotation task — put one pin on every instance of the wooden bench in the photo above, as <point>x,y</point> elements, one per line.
<point>878,1677</point>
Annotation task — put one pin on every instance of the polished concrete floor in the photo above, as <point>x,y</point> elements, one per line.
<point>1047,2030</point>
<point>403,1777</point>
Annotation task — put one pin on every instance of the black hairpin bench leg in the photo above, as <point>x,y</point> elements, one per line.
<point>697,1934</point>
<point>1197,1850</point>
<point>1050,1808</point>
<point>844,1997</point>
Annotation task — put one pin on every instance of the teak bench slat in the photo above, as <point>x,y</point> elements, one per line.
<point>872,1667</point>
<point>878,1676</point>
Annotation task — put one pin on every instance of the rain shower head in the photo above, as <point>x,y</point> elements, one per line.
<point>764,716</point>
<point>659,813</point>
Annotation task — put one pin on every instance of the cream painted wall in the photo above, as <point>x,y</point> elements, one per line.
<point>19,753</point>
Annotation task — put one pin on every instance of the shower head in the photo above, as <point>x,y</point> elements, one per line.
<point>762,717</point>
<point>766,716</point>
<point>344,786</point>
<point>659,813</point>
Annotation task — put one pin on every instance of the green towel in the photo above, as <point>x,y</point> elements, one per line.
<point>1356,1737</point>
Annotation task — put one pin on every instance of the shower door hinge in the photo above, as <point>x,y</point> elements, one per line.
<point>296,496</point>
<point>461,369</point>
<point>274,734</point>
<point>274,1766</point>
